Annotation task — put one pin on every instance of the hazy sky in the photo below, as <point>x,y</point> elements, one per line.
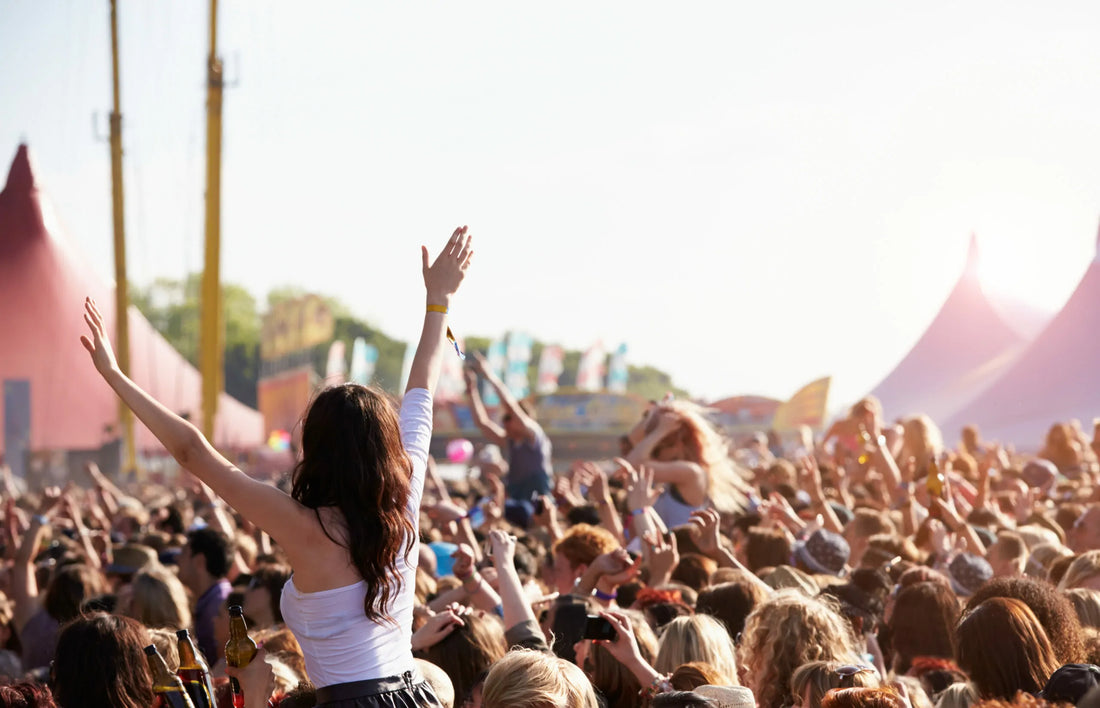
<point>750,195</point>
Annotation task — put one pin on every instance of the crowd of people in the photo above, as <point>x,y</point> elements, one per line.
<point>873,567</point>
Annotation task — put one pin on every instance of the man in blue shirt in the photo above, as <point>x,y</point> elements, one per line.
<point>203,566</point>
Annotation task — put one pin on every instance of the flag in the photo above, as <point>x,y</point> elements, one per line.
<point>518,353</point>
<point>364,357</point>
<point>497,358</point>
<point>336,368</point>
<point>550,368</point>
<point>591,368</point>
<point>806,407</point>
<point>617,373</point>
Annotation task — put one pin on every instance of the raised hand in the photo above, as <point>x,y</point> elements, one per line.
<point>705,528</point>
<point>443,277</point>
<point>640,492</point>
<point>504,548</point>
<point>436,628</point>
<point>624,647</point>
<point>660,556</point>
<point>463,562</point>
<point>98,345</point>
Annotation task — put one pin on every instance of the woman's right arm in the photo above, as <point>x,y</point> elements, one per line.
<point>267,507</point>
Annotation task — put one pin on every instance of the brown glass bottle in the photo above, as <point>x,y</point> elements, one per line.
<point>194,672</point>
<point>239,650</point>
<point>166,685</point>
<point>935,485</point>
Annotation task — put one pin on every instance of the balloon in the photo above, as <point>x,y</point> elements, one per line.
<point>460,450</point>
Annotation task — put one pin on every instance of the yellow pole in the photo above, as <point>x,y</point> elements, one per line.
<point>122,324</point>
<point>211,338</point>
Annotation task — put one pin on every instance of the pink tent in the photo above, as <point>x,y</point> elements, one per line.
<point>967,346</point>
<point>1055,379</point>
<point>42,290</point>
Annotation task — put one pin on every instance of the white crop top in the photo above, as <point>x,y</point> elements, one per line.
<point>338,642</point>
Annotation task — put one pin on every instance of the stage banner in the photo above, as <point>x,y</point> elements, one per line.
<point>590,371</point>
<point>806,407</point>
<point>551,364</point>
<point>364,357</point>
<point>282,400</point>
<point>617,373</point>
<point>519,358</point>
<point>336,367</point>
<point>497,358</point>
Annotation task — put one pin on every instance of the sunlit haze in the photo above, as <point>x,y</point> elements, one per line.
<point>751,196</point>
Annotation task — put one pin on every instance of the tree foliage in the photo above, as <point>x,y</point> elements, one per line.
<point>173,308</point>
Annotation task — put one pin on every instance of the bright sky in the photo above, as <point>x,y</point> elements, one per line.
<point>750,195</point>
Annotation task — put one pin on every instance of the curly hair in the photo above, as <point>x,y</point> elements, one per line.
<point>583,543</point>
<point>1054,610</point>
<point>785,632</point>
<point>353,460</point>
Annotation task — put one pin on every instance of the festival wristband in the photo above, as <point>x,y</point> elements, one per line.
<point>437,308</point>
<point>443,309</point>
<point>605,596</point>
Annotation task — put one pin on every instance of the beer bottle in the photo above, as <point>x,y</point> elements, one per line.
<point>166,685</point>
<point>935,485</point>
<point>194,672</point>
<point>865,444</point>
<point>239,650</point>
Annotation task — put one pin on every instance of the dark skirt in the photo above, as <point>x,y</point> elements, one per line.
<point>409,690</point>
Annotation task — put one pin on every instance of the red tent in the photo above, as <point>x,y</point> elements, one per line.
<point>1054,380</point>
<point>42,290</point>
<point>967,346</point>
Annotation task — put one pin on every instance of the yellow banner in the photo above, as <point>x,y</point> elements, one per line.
<point>806,407</point>
<point>294,325</point>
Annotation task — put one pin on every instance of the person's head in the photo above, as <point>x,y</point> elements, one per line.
<point>923,441</point>
<point>100,663</point>
<point>1086,602</point>
<point>692,675</point>
<point>811,681</point>
<point>867,412</point>
<point>865,523</point>
<point>535,680</point>
<point>785,632</point>
<point>1085,533</point>
<point>609,676</point>
<point>439,681</point>
<point>730,603</point>
<point>576,550</point>
<point>157,598</point>
<point>25,694</point>
<point>1053,609</point>
<point>1083,572</point>
<point>1008,555</point>
<point>972,440</point>
<point>863,698</point>
<point>205,559</point>
<point>1003,648</point>
<point>694,570</point>
<point>69,587</point>
<point>468,650</point>
<point>514,429</point>
<point>353,460</point>
<point>823,553</point>
<point>697,638</point>
<point>766,548</point>
<point>922,623</point>
<point>261,599</point>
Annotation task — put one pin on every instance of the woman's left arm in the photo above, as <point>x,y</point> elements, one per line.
<point>441,280</point>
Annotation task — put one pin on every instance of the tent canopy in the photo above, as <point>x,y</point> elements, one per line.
<point>963,351</point>
<point>42,289</point>
<point>1055,379</point>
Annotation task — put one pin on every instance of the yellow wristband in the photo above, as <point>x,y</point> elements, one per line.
<point>437,308</point>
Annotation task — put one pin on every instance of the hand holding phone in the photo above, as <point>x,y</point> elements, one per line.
<point>596,627</point>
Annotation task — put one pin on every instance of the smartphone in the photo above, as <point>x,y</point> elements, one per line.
<point>596,627</point>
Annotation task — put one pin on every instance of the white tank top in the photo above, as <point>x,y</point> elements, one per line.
<point>338,642</point>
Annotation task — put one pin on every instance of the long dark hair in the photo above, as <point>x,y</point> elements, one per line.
<point>100,662</point>
<point>352,459</point>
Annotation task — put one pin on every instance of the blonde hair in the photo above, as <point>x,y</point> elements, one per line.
<point>532,679</point>
<point>1084,567</point>
<point>785,632</point>
<point>697,638</point>
<point>704,445</point>
<point>1086,602</point>
<point>158,599</point>
<point>821,677</point>
<point>923,440</point>
<point>168,645</point>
